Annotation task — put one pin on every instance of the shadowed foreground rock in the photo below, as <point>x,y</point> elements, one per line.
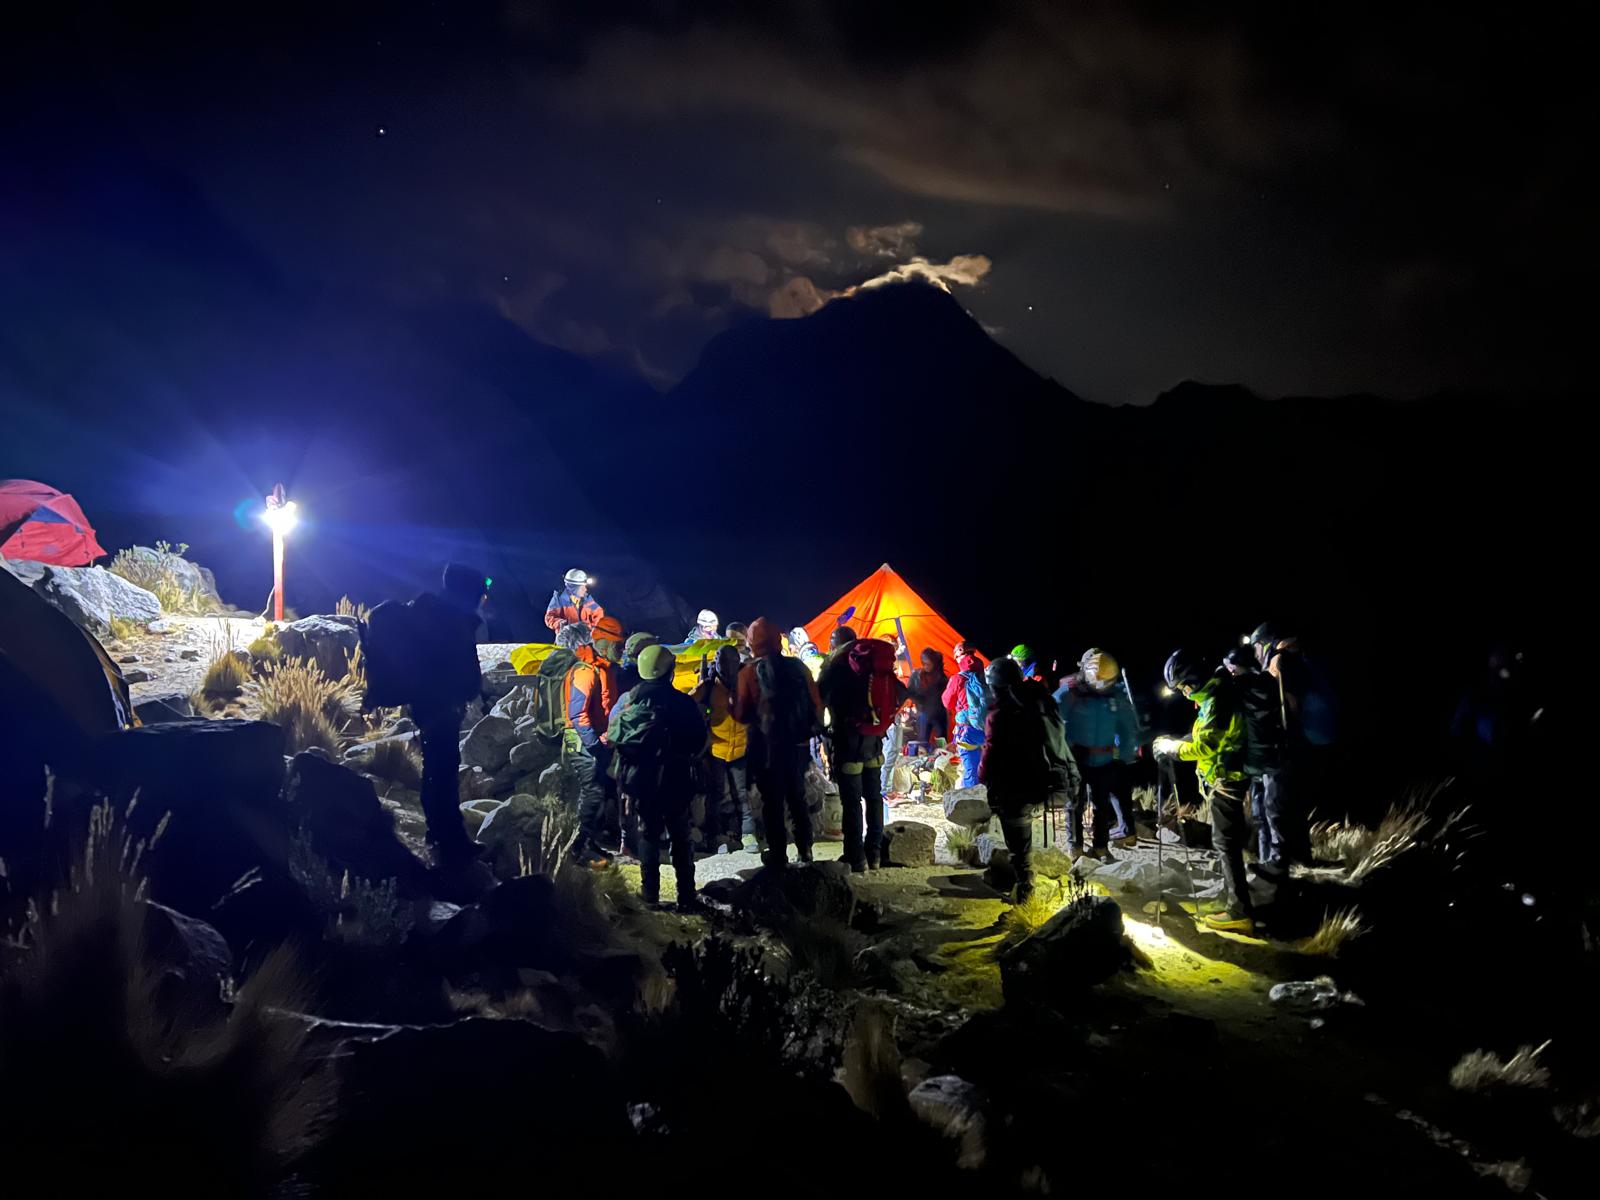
<point>1080,946</point>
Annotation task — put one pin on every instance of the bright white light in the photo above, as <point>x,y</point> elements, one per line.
<point>281,519</point>
<point>1166,693</point>
<point>1245,640</point>
<point>591,581</point>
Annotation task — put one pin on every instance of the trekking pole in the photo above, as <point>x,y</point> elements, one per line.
<point>1170,775</point>
<point>1133,818</point>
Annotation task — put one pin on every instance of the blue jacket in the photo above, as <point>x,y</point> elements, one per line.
<point>1102,727</point>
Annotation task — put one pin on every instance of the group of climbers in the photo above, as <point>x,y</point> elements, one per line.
<point>640,750</point>
<point>1263,721</point>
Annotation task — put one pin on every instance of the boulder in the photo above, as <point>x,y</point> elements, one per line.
<point>330,642</point>
<point>340,812</point>
<point>958,1110</point>
<point>986,845</point>
<point>137,675</point>
<point>967,806</point>
<point>91,596</point>
<point>220,781</point>
<point>169,706</point>
<point>559,783</point>
<point>489,743</point>
<point>378,757</point>
<point>532,757</point>
<point>512,831</point>
<point>511,926</point>
<point>475,812</point>
<point>1080,946</point>
<point>188,960</point>
<point>192,577</point>
<point>908,844</point>
<point>776,898</point>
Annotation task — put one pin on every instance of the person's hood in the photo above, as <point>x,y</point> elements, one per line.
<point>765,637</point>
<point>969,662</point>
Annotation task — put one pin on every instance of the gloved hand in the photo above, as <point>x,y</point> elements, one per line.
<point>1166,747</point>
<point>570,741</point>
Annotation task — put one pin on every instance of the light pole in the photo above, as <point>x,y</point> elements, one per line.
<point>280,518</point>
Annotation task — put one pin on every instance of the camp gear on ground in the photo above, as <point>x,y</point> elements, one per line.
<point>40,524</point>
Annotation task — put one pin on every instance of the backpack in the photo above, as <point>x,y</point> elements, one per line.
<point>644,741</point>
<point>872,661</point>
<point>1063,767</point>
<point>978,699</point>
<point>786,715</point>
<point>1265,738</point>
<point>390,640</point>
<point>549,689</point>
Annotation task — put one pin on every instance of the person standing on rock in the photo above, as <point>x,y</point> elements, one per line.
<point>660,735</point>
<point>1026,762</point>
<point>571,603</point>
<point>590,692</point>
<point>779,701</point>
<point>447,678</point>
<point>1103,731</point>
<point>1217,745</point>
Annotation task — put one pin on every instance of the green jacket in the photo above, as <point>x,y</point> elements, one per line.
<point>1216,745</point>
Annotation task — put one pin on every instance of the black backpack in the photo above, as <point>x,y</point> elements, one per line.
<point>1265,739</point>
<point>786,716</point>
<point>390,639</point>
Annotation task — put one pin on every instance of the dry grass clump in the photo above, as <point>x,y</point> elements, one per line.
<point>1360,851</point>
<point>312,709</point>
<point>870,1067</point>
<point>1481,1070</point>
<point>159,575</point>
<point>1020,921</point>
<point>347,607</point>
<point>1336,929</point>
<point>222,684</point>
<point>958,842</point>
<point>123,628</point>
<point>216,1102</point>
<point>399,762</point>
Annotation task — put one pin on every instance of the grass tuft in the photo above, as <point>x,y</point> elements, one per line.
<point>159,575</point>
<point>1481,1070</point>
<point>399,762</point>
<point>312,709</point>
<point>958,842</point>
<point>1336,929</point>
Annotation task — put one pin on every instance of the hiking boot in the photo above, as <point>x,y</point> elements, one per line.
<point>805,854</point>
<point>872,862</point>
<point>691,906</point>
<point>1100,854</point>
<point>592,857</point>
<point>1226,922</point>
<point>1074,853</point>
<point>1126,843</point>
<point>859,867</point>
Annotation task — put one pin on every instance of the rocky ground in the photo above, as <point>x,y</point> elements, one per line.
<point>1098,1038</point>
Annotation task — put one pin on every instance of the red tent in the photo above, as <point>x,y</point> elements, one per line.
<point>40,524</point>
<point>884,603</point>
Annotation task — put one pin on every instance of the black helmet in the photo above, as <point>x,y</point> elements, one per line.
<point>1184,670</point>
<point>1267,634</point>
<point>1003,673</point>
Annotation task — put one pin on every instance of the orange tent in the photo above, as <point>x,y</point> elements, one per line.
<point>884,604</point>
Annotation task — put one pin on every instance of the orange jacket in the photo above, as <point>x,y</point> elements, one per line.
<point>565,608</point>
<point>589,693</point>
<point>764,640</point>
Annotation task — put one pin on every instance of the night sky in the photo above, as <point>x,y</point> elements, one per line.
<point>1306,199</point>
